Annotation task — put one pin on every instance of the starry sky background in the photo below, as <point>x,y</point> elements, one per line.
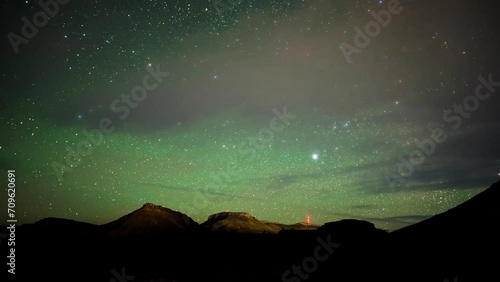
<point>228,70</point>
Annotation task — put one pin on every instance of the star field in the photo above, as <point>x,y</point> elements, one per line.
<point>211,135</point>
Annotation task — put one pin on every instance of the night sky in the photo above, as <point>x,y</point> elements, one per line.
<point>250,106</point>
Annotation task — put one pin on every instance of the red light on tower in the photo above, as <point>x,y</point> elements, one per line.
<point>308,219</point>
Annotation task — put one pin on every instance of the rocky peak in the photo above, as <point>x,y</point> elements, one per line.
<point>152,206</point>
<point>222,215</point>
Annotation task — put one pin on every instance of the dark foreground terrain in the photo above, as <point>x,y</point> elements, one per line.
<point>157,244</point>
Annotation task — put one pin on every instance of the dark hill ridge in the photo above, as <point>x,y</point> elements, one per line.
<point>474,213</point>
<point>352,230</point>
<point>160,244</point>
<point>464,237</point>
<point>297,226</point>
<point>61,225</point>
<point>45,229</point>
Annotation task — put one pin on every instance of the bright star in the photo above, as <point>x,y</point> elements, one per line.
<point>315,156</point>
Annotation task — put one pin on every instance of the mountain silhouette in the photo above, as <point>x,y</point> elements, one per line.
<point>148,222</point>
<point>475,214</point>
<point>242,222</point>
<point>154,243</point>
<point>463,238</point>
